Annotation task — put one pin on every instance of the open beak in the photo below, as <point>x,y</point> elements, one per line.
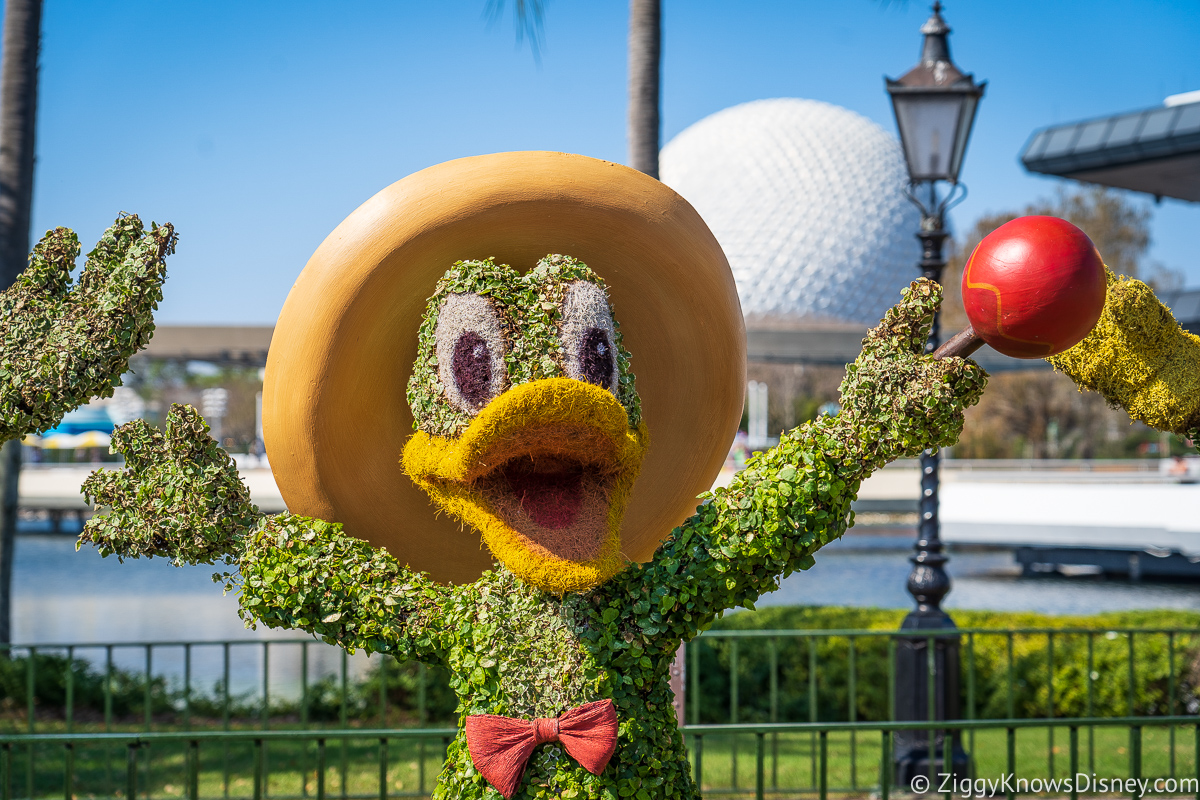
<point>544,473</point>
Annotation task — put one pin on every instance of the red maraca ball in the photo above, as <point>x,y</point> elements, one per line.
<point>1034,287</point>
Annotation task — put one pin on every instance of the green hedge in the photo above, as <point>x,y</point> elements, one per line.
<point>167,702</point>
<point>1031,689</point>
<point>50,689</point>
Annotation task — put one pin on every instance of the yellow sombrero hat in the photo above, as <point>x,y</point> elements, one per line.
<point>335,415</point>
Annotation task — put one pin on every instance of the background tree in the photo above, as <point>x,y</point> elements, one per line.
<point>18,120</point>
<point>527,20</point>
<point>645,81</point>
<point>645,70</point>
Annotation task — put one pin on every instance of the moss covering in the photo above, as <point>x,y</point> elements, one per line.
<point>521,651</point>
<point>445,467</point>
<point>61,345</point>
<point>1139,358</point>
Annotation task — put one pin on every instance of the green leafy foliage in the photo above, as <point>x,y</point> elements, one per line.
<point>61,345</point>
<point>402,684</point>
<point>530,311</point>
<point>1031,665</point>
<point>515,650</point>
<point>298,572</point>
<point>897,401</point>
<point>179,496</point>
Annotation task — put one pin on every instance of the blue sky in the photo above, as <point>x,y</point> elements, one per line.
<point>257,127</point>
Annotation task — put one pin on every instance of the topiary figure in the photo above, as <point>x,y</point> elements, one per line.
<point>532,432</point>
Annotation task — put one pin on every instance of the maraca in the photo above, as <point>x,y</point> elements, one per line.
<point>1032,288</point>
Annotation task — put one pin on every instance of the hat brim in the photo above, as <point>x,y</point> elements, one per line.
<point>335,416</point>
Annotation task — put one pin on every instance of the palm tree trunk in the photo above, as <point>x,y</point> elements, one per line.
<point>645,89</point>
<point>645,66</point>
<point>18,118</point>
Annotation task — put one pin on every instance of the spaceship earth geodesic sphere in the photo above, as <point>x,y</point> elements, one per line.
<point>807,200</point>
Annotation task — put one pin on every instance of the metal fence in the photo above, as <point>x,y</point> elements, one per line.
<point>159,685</point>
<point>1006,673</point>
<point>825,759</point>
<point>224,764</point>
<point>769,712</point>
<point>363,763</point>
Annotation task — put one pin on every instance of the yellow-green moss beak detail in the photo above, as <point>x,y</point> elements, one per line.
<point>543,472</point>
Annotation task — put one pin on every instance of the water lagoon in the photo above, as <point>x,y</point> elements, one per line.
<point>64,596</point>
<point>868,568</point>
<point>61,597</point>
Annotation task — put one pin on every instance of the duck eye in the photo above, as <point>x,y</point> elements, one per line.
<point>588,336</point>
<point>473,368</point>
<point>470,351</point>
<point>596,358</point>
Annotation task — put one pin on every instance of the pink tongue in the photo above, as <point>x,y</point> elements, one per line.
<point>552,500</point>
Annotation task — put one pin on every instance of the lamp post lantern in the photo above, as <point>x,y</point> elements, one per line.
<point>935,104</point>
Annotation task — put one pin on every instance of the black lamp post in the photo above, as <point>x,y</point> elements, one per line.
<point>935,105</point>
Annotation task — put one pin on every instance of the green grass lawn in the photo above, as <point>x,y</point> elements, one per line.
<point>228,770</point>
<point>728,764</point>
<point>791,762</point>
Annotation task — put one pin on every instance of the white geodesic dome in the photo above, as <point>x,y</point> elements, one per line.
<point>807,200</point>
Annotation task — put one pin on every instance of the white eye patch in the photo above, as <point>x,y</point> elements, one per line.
<point>470,351</point>
<point>588,336</point>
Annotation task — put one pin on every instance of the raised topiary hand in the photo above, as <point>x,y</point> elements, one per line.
<point>179,495</point>
<point>795,498</point>
<point>896,399</point>
<point>62,345</point>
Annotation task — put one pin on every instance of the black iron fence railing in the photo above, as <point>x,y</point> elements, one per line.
<point>768,712</point>
<point>824,758</point>
<point>850,675</point>
<point>784,759</point>
<point>733,676</point>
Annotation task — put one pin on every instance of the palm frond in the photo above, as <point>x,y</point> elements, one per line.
<point>527,21</point>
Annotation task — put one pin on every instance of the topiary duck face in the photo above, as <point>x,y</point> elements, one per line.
<point>527,453</point>
<point>528,424</point>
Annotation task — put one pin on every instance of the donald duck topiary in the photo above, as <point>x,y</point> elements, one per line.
<point>497,471</point>
<point>478,480</point>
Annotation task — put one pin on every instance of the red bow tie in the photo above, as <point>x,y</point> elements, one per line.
<point>500,746</point>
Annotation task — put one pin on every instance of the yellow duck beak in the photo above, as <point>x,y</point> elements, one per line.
<point>543,472</point>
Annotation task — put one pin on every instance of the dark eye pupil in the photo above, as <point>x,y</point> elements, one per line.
<point>596,358</point>
<point>473,368</point>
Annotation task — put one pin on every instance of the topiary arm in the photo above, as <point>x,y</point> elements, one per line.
<point>180,497</point>
<point>1139,358</point>
<point>61,345</point>
<point>795,498</point>
<point>299,572</point>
